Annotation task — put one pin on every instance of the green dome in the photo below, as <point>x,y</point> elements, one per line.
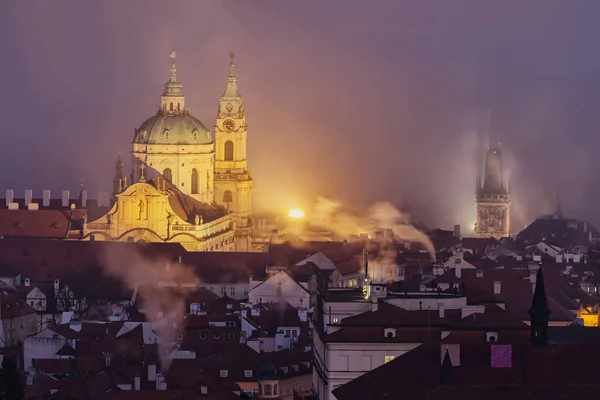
<point>172,129</point>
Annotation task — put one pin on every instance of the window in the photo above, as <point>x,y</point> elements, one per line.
<point>203,335</point>
<point>171,107</point>
<point>245,293</point>
<point>275,389</point>
<point>231,336</point>
<point>387,359</point>
<point>267,390</point>
<point>223,290</point>
<point>227,198</point>
<point>168,175</point>
<point>180,336</point>
<point>279,288</point>
<point>335,320</point>
<point>224,373</point>
<point>248,373</point>
<point>194,181</point>
<point>216,336</point>
<point>231,292</point>
<point>294,333</point>
<point>255,391</point>
<point>228,150</point>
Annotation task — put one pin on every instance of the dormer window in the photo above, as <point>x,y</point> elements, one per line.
<point>248,373</point>
<point>224,373</point>
<point>389,333</point>
<point>491,337</point>
<point>479,273</point>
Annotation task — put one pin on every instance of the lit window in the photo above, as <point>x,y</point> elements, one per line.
<point>335,320</point>
<point>387,359</point>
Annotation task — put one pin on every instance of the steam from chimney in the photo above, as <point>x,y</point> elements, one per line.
<point>159,302</point>
<point>383,215</point>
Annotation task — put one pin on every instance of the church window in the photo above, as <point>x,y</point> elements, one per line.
<point>178,107</point>
<point>194,181</point>
<point>171,107</point>
<point>229,150</point>
<point>227,198</point>
<point>168,175</point>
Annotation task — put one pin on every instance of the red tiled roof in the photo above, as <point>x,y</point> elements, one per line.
<point>49,224</point>
<point>54,365</point>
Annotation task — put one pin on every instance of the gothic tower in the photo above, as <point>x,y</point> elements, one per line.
<point>175,145</point>
<point>233,182</point>
<point>493,200</point>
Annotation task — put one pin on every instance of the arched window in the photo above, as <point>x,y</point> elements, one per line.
<point>267,390</point>
<point>178,107</point>
<point>168,175</point>
<point>227,197</point>
<point>194,181</point>
<point>171,107</point>
<point>229,150</point>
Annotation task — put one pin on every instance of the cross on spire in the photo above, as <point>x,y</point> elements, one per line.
<point>231,64</point>
<point>173,56</point>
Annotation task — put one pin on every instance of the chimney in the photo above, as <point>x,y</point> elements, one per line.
<point>457,231</point>
<point>56,287</point>
<point>10,195</point>
<point>27,282</point>
<point>497,287</point>
<point>159,381</point>
<point>84,197</point>
<point>151,372</point>
<point>302,314</point>
<point>28,196</point>
<point>374,303</point>
<point>65,198</point>
<point>441,310</point>
<point>458,267</point>
<point>46,198</point>
<point>585,227</point>
<point>590,239</point>
<point>137,382</point>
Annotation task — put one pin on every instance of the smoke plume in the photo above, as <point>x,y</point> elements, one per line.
<point>163,305</point>
<point>381,216</point>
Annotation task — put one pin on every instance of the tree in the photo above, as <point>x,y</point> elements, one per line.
<point>11,385</point>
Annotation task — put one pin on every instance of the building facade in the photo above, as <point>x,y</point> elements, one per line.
<point>493,199</point>
<point>185,187</point>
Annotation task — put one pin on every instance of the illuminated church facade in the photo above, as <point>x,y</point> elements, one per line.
<point>185,186</point>
<point>493,199</point>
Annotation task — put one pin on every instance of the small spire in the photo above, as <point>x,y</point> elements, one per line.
<point>231,64</point>
<point>539,312</point>
<point>173,87</point>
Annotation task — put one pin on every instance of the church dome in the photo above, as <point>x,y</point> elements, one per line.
<point>172,129</point>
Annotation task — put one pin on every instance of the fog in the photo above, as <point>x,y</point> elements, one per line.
<point>353,100</point>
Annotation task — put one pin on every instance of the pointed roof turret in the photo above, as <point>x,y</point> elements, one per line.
<point>173,87</point>
<point>231,90</point>
<point>539,312</point>
<point>172,99</point>
<point>447,370</point>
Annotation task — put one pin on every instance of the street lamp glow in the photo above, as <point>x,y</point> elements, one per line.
<point>295,213</point>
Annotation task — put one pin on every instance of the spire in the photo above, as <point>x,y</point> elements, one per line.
<point>172,97</point>
<point>446,371</point>
<point>119,181</point>
<point>231,90</point>
<point>539,312</point>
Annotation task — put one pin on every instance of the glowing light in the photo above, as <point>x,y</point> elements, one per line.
<point>295,213</point>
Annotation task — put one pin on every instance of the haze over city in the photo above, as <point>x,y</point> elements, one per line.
<point>358,102</point>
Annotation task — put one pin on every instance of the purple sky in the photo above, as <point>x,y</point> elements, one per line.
<point>354,100</point>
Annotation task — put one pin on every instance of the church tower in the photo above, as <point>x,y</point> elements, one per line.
<point>174,144</point>
<point>233,182</point>
<point>493,200</point>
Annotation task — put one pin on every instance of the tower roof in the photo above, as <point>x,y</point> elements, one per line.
<point>539,305</point>
<point>173,87</point>
<point>493,181</point>
<point>231,90</point>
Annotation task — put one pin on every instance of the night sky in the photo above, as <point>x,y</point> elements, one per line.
<point>353,100</point>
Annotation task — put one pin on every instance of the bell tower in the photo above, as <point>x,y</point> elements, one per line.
<point>233,182</point>
<point>493,199</point>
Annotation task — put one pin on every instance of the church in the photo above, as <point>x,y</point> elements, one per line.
<point>186,187</point>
